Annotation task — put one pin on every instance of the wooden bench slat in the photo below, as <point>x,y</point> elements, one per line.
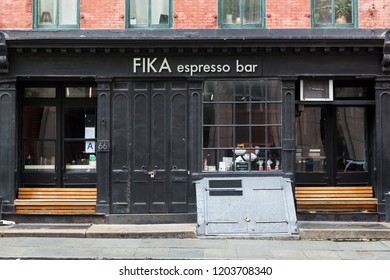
<point>56,200</point>
<point>335,199</point>
<point>57,211</point>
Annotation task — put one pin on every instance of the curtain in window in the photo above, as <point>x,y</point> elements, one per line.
<point>67,12</point>
<point>251,11</point>
<point>241,11</point>
<point>140,12</point>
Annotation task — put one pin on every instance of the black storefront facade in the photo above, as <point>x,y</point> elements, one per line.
<point>143,115</point>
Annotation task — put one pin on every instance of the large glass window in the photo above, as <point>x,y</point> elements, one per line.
<point>56,13</point>
<point>59,135</point>
<point>39,138</point>
<point>148,13</point>
<point>241,13</point>
<point>242,124</point>
<point>334,13</point>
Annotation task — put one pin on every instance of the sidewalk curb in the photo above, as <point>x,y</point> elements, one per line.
<point>100,231</point>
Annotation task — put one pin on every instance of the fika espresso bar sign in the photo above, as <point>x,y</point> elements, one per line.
<point>196,67</point>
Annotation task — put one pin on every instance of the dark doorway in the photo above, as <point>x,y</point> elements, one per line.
<point>150,151</point>
<point>58,136</point>
<point>333,145</point>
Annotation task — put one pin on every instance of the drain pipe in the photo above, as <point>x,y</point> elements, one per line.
<point>1,206</point>
<point>387,207</point>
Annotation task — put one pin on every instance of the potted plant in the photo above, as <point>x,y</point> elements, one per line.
<point>343,11</point>
<point>323,12</point>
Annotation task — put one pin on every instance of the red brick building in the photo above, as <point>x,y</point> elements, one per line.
<point>193,14</point>
<point>141,100</point>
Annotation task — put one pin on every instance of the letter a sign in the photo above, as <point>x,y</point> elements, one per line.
<point>90,147</point>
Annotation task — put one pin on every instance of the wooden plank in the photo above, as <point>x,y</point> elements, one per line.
<point>56,200</point>
<point>57,211</point>
<point>335,199</point>
<point>332,187</point>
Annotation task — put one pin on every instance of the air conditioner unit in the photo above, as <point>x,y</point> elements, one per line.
<point>316,90</point>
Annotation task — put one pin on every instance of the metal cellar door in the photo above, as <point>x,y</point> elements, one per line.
<point>152,173</point>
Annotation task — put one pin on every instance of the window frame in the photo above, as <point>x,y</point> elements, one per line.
<point>268,151</point>
<point>149,25</point>
<point>59,175</point>
<point>56,25</point>
<point>334,24</point>
<point>261,24</point>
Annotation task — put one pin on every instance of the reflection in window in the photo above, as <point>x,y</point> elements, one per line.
<point>241,13</point>
<point>39,135</point>
<point>310,140</point>
<point>80,92</point>
<point>241,125</point>
<point>56,13</point>
<point>149,13</point>
<point>80,139</point>
<point>334,12</point>
<point>351,139</point>
<point>39,93</point>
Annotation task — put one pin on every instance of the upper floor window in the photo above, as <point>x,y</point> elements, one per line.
<point>148,13</point>
<point>334,13</point>
<point>56,13</point>
<point>241,13</point>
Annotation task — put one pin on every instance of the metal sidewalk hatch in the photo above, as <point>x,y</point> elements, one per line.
<point>246,206</point>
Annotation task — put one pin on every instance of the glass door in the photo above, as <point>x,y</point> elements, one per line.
<point>59,135</point>
<point>332,145</point>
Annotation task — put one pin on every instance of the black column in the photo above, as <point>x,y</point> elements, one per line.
<point>8,143</point>
<point>288,141</point>
<point>382,162</point>
<point>195,141</point>
<point>103,145</point>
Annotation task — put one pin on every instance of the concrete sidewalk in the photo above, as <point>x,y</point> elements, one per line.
<point>307,231</point>
<point>330,241</point>
<point>44,248</point>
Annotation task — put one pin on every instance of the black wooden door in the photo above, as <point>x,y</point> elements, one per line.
<point>152,175</point>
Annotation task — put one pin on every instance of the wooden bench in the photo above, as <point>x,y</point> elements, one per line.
<point>335,199</point>
<point>56,200</point>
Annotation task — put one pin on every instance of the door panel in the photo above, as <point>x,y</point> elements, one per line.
<point>120,175</point>
<point>179,153</point>
<point>352,145</point>
<point>311,146</point>
<point>157,147</point>
<point>332,145</point>
<point>140,187</point>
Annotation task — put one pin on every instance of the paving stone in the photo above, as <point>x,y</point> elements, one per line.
<point>185,253</point>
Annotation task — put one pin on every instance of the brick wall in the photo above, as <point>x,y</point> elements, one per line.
<point>15,13</point>
<point>195,14</point>
<point>104,14</point>
<point>110,14</point>
<point>374,13</point>
<point>288,14</point>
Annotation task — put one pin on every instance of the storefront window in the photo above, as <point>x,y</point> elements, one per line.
<point>56,13</point>
<point>334,13</point>
<point>59,135</point>
<point>148,13</point>
<point>80,92</point>
<point>80,139</point>
<point>242,125</point>
<point>39,134</point>
<point>241,13</point>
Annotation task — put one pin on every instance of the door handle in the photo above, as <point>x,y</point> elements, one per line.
<point>152,173</point>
